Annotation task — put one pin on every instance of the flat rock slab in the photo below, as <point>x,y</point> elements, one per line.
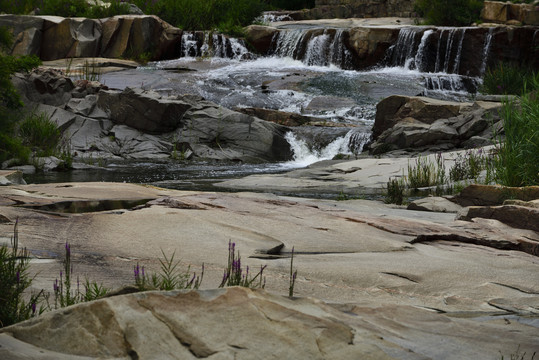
<point>239,323</point>
<point>358,252</point>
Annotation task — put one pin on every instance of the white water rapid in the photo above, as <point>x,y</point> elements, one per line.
<point>306,154</point>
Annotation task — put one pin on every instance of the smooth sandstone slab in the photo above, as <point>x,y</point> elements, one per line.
<point>239,323</point>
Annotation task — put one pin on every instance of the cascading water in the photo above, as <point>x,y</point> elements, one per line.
<point>314,48</point>
<point>350,144</point>
<point>205,44</point>
<point>486,50</point>
<point>414,51</point>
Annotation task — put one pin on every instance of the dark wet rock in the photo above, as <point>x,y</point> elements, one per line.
<point>423,123</point>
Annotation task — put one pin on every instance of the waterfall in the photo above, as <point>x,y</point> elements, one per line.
<point>486,50</point>
<point>403,50</point>
<point>206,44</point>
<point>412,54</point>
<point>313,47</point>
<point>350,144</point>
<point>420,55</point>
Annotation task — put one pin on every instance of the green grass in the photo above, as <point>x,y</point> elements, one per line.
<point>517,162</point>
<point>508,79</point>
<point>40,134</point>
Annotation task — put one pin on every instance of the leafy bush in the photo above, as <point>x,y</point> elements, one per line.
<point>517,163</point>
<point>65,8</point>
<point>10,101</point>
<point>449,13</point>
<point>507,79</point>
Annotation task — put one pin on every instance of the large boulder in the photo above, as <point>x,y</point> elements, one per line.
<point>27,33</point>
<point>395,108</point>
<point>127,36</point>
<point>71,37</point>
<point>219,133</point>
<point>371,43</point>
<point>505,12</point>
<point>422,123</point>
<point>260,37</point>
<point>146,111</point>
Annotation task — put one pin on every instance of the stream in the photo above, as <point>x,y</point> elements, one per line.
<point>313,86</point>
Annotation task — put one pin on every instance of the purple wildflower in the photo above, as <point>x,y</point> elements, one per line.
<point>18,277</point>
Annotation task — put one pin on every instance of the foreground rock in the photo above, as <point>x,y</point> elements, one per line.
<point>410,283</point>
<point>189,325</point>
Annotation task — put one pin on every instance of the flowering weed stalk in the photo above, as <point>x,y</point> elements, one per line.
<point>64,296</point>
<point>234,275</point>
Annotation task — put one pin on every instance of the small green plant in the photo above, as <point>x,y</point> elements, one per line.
<point>14,281</point>
<point>234,275</point>
<point>293,275</point>
<point>423,174</point>
<point>40,133</point>
<point>395,191</point>
<point>170,277</point>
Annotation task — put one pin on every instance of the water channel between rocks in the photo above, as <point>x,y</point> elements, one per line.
<point>312,85</point>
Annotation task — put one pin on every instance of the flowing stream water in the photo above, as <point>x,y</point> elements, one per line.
<point>312,82</point>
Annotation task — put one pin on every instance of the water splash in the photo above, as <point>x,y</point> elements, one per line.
<point>304,155</point>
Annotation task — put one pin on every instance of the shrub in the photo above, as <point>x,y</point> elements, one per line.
<point>423,174</point>
<point>204,14</point>
<point>449,13</point>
